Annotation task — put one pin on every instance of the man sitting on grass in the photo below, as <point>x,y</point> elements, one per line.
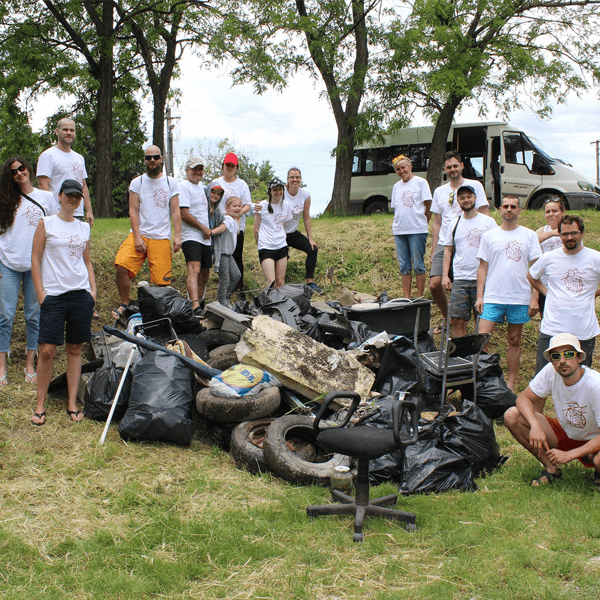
<point>575,391</point>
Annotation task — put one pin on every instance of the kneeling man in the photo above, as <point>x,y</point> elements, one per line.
<point>575,391</point>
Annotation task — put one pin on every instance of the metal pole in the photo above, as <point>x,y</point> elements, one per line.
<point>169,156</point>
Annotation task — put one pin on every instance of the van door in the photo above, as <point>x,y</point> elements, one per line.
<point>517,166</point>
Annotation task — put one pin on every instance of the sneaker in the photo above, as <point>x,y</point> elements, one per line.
<point>314,287</point>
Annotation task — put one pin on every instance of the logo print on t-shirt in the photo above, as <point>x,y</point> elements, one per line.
<point>554,244</point>
<point>513,251</point>
<point>33,214</point>
<point>474,237</point>
<point>573,279</point>
<point>76,246</point>
<point>575,415</point>
<point>456,209</point>
<point>279,220</point>
<point>407,199</point>
<point>77,170</point>
<point>297,211</point>
<point>160,198</point>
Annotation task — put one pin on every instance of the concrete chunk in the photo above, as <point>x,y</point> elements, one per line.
<point>299,362</point>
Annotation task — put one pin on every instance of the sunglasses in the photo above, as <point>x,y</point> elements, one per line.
<point>19,169</point>
<point>150,157</point>
<point>510,206</point>
<point>568,354</point>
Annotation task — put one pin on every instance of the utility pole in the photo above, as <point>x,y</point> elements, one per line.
<point>170,163</point>
<point>597,142</point>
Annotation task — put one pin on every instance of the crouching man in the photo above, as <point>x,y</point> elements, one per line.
<point>575,391</point>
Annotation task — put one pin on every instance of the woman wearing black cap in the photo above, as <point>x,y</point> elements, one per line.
<point>66,289</point>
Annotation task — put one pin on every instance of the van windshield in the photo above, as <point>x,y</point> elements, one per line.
<point>544,151</point>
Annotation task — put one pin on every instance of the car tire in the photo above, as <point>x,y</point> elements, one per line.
<point>379,207</point>
<point>539,201</point>
<point>223,357</point>
<point>216,337</point>
<point>237,410</point>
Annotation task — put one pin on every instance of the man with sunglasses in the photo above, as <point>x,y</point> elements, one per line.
<point>505,255</point>
<point>153,198</point>
<point>572,275</point>
<point>61,162</point>
<point>575,391</point>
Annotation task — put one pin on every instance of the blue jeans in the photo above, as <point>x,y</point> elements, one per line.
<point>10,284</point>
<point>410,249</point>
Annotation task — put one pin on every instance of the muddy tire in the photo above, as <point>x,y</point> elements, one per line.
<point>223,357</point>
<point>236,410</point>
<point>290,465</point>
<point>220,434</point>
<point>337,328</point>
<point>215,338</point>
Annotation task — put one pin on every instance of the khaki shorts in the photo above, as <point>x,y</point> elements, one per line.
<point>158,253</point>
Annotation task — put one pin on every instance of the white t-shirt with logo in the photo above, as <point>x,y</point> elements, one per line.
<point>572,281</point>
<point>296,204</point>
<point>408,203</point>
<point>63,267</point>
<point>467,239</point>
<point>193,196</point>
<point>237,188</point>
<point>58,166</point>
<point>155,205</point>
<point>229,236</point>
<point>271,233</point>
<point>16,242</point>
<point>549,244</point>
<point>508,254</point>
<point>444,203</point>
<point>577,406</point>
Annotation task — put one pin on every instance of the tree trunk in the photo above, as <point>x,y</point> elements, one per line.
<point>340,196</point>
<point>439,140</point>
<point>104,117</point>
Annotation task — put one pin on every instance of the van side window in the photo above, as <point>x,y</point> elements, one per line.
<point>356,162</point>
<point>518,149</point>
<point>377,162</point>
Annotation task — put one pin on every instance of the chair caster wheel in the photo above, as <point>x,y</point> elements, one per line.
<point>358,537</point>
<point>411,527</point>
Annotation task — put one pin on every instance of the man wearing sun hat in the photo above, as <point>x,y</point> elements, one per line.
<point>575,391</point>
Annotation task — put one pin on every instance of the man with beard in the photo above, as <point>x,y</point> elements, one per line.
<point>153,197</point>
<point>445,209</point>
<point>575,391</point>
<point>505,255</point>
<point>573,275</point>
<point>465,236</point>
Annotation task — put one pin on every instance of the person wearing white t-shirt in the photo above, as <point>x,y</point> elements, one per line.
<point>465,236</point>
<point>298,199</point>
<point>445,209</point>
<point>269,231</point>
<point>153,198</point>
<point>61,162</point>
<point>195,232</point>
<point>505,255</point>
<point>569,277</point>
<point>411,201</point>
<point>234,186</point>
<point>575,391</point>
<point>65,285</point>
<point>21,207</point>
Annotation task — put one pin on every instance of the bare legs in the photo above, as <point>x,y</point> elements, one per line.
<point>274,271</point>
<point>196,281</point>
<point>513,353</point>
<point>438,295</point>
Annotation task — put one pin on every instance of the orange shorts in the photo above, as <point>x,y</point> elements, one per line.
<point>158,253</point>
<point>565,443</point>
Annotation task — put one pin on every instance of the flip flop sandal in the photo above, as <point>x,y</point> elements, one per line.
<point>546,478</point>
<point>3,380</point>
<point>41,415</point>
<point>117,314</point>
<point>30,377</point>
<point>75,413</point>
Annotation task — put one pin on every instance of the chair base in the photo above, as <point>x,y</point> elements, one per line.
<point>372,508</point>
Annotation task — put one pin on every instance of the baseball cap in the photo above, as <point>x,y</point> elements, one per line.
<point>275,182</point>
<point>467,188</point>
<point>230,157</point>
<point>563,339</point>
<point>193,162</point>
<point>71,186</point>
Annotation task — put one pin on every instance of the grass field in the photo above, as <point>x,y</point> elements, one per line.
<point>141,521</point>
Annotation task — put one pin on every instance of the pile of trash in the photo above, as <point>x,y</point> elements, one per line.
<point>252,378</point>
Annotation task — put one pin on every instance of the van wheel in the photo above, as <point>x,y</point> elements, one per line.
<point>378,207</point>
<point>539,201</point>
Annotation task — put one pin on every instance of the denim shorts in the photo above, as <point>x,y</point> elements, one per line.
<point>73,309</point>
<point>516,314</point>
<point>462,299</point>
<point>410,249</point>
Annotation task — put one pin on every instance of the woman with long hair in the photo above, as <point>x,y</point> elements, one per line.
<point>21,207</point>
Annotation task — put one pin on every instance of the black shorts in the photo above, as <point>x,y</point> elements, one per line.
<point>197,252</point>
<point>275,255</point>
<point>73,309</point>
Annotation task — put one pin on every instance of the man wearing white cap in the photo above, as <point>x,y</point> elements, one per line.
<point>575,391</point>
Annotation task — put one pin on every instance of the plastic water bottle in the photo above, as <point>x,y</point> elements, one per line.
<point>341,479</point>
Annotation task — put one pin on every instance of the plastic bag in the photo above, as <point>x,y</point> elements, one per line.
<point>100,392</point>
<point>160,401</point>
<point>241,380</point>
<point>159,302</point>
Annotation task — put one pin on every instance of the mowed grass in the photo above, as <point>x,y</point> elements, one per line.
<point>136,521</point>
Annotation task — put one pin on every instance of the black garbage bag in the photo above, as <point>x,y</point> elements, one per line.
<point>159,302</point>
<point>160,401</point>
<point>494,397</point>
<point>100,392</point>
<point>279,306</point>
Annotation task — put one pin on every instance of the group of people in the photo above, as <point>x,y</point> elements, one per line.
<point>508,272</point>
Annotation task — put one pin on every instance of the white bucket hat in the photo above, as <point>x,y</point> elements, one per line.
<point>563,339</point>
